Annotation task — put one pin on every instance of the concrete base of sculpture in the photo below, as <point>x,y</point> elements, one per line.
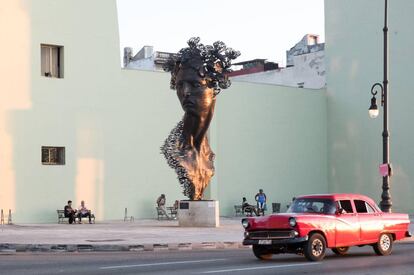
<point>198,214</point>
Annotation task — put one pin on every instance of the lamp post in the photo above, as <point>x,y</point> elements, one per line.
<point>385,203</point>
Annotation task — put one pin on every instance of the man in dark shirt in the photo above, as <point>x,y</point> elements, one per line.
<point>70,212</point>
<point>248,208</point>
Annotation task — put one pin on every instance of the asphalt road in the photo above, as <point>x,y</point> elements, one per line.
<point>241,261</point>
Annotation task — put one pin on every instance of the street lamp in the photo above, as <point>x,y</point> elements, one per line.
<point>385,203</point>
<point>373,109</point>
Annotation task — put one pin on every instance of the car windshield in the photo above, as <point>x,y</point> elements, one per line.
<point>312,205</point>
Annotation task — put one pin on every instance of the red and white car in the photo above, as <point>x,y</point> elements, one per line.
<point>316,222</point>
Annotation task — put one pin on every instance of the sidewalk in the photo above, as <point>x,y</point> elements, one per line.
<point>140,235</point>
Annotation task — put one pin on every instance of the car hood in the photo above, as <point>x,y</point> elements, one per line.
<point>272,221</point>
<point>281,221</point>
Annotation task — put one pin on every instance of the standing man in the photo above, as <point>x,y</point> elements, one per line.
<point>69,212</point>
<point>261,201</point>
<point>84,212</point>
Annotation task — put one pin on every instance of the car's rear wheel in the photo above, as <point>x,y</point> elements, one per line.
<point>340,250</point>
<point>261,252</point>
<point>314,249</point>
<point>384,245</point>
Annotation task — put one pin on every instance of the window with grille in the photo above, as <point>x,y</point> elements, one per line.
<point>53,155</point>
<point>51,61</point>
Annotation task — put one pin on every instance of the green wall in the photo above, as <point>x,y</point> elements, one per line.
<point>354,47</point>
<point>270,137</point>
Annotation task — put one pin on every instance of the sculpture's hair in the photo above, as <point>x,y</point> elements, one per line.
<point>212,62</point>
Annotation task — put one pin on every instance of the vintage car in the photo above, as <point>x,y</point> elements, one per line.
<point>316,222</point>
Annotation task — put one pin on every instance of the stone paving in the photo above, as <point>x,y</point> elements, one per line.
<point>119,235</point>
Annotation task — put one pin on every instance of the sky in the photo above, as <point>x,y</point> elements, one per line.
<point>258,29</point>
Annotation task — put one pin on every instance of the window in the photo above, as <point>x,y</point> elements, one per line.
<point>363,207</point>
<point>51,61</point>
<point>346,205</point>
<point>53,155</point>
<point>315,205</point>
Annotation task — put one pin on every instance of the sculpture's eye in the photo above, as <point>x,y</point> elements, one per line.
<point>196,84</point>
<point>179,84</point>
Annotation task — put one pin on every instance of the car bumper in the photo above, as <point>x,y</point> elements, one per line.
<point>275,242</point>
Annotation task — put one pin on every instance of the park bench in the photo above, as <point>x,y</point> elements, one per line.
<point>63,219</point>
<point>173,212</point>
<point>161,214</point>
<point>275,207</point>
<point>126,217</point>
<point>238,211</point>
<point>170,210</point>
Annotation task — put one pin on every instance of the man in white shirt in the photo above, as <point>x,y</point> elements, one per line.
<point>84,212</point>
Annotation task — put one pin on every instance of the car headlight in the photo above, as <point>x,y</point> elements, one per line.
<point>292,221</point>
<point>245,223</point>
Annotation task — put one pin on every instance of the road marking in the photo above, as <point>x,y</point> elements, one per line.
<point>254,268</point>
<point>155,264</point>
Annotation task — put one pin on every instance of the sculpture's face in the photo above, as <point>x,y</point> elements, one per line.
<point>193,92</point>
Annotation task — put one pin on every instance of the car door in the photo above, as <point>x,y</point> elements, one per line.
<point>369,220</point>
<point>347,231</point>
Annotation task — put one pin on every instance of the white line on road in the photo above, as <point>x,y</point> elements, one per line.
<point>254,268</point>
<point>155,264</point>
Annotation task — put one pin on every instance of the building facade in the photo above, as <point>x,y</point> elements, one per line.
<point>354,62</point>
<point>305,67</point>
<point>75,125</point>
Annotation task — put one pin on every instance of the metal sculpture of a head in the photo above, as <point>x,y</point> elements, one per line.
<point>211,62</point>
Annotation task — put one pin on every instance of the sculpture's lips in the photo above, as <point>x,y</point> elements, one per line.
<point>187,103</point>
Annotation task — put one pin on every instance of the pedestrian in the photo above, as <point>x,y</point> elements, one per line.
<point>261,201</point>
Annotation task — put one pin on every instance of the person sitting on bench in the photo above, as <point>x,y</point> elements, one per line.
<point>161,205</point>
<point>84,212</point>
<point>69,212</point>
<point>248,208</point>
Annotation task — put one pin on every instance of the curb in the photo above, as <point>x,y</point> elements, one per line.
<point>8,248</point>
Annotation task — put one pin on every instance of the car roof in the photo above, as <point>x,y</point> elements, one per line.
<point>338,196</point>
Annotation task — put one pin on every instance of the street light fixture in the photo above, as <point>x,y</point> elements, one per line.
<point>373,109</point>
<point>386,202</point>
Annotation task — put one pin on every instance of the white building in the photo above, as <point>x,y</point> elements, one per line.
<point>305,67</point>
<point>146,59</point>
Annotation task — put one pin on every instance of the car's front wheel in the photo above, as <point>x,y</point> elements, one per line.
<point>384,245</point>
<point>261,252</point>
<point>340,250</point>
<point>314,249</point>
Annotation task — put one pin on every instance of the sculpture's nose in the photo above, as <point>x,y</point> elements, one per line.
<point>186,90</point>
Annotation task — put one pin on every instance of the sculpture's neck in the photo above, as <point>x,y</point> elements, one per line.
<point>195,129</point>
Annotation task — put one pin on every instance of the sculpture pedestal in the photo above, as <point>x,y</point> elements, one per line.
<point>198,214</point>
